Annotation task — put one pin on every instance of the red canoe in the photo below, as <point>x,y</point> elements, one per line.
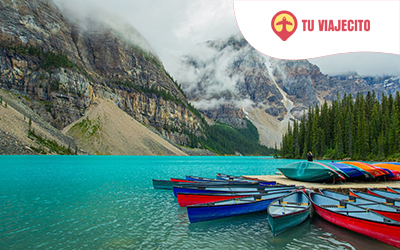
<point>182,180</point>
<point>357,219</point>
<point>393,190</point>
<point>187,199</point>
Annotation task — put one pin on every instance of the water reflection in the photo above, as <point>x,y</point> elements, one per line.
<point>334,234</point>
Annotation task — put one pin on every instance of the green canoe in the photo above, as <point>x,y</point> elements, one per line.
<point>311,172</point>
<point>288,211</point>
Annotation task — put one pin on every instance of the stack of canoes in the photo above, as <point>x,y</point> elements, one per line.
<point>392,167</point>
<point>340,171</point>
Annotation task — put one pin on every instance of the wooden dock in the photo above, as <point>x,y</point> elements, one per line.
<point>342,187</point>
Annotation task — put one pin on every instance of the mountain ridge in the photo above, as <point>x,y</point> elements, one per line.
<point>61,67</point>
<point>270,92</point>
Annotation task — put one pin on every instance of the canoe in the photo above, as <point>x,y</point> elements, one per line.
<point>393,167</point>
<point>374,171</point>
<point>311,172</point>
<point>389,165</point>
<point>196,178</point>
<point>393,190</point>
<point>357,219</point>
<point>230,189</point>
<point>396,176</point>
<point>393,175</point>
<point>236,180</point>
<point>182,180</point>
<point>187,199</point>
<point>227,177</point>
<point>168,184</point>
<point>384,194</point>
<point>375,198</point>
<point>391,212</point>
<point>353,172</point>
<point>343,173</point>
<point>288,212</point>
<point>232,207</point>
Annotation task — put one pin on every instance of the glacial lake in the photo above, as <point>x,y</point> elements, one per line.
<point>108,202</point>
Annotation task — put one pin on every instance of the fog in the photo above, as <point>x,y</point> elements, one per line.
<point>173,27</point>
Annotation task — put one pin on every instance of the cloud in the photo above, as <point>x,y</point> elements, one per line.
<point>210,17</point>
<point>172,27</point>
<point>365,64</point>
<point>208,71</point>
<point>91,16</point>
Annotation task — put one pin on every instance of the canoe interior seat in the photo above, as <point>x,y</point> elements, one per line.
<point>333,206</point>
<point>390,201</point>
<point>294,203</point>
<point>387,220</point>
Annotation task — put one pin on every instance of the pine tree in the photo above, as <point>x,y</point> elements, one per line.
<point>363,128</point>
<point>302,135</point>
<point>296,146</point>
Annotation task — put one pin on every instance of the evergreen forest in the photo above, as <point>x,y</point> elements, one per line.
<point>360,128</point>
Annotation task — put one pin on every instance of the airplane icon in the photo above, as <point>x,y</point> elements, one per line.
<point>284,23</point>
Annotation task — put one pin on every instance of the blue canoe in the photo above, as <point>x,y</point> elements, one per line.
<point>231,189</point>
<point>375,198</point>
<point>288,212</point>
<point>232,207</point>
<point>384,194</point>
<point>196,178</point>
<point>352,172</point>
<point>236,180</point>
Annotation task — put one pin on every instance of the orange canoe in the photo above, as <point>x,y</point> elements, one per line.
<point>388,165</point>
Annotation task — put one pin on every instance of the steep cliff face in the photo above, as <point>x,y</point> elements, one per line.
<point>226,78</point>
<point>62,64</point>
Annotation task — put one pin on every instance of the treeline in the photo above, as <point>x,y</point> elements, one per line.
<point>361,129</point>
<point>48,59</point>
<point>223,139</point>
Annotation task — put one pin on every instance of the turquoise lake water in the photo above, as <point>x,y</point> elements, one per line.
<point>108,202</point>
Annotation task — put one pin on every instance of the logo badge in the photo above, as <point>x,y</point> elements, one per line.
<point>284,24</point>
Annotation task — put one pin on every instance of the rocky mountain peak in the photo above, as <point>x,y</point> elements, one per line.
<point>270,92</point>
<point>60,61</point>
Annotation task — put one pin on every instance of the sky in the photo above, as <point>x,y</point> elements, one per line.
<point>173,27</point>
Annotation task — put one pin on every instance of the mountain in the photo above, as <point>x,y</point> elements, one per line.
<point>97,133</point>
<point>229,81</point>
<point>60,65</point>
